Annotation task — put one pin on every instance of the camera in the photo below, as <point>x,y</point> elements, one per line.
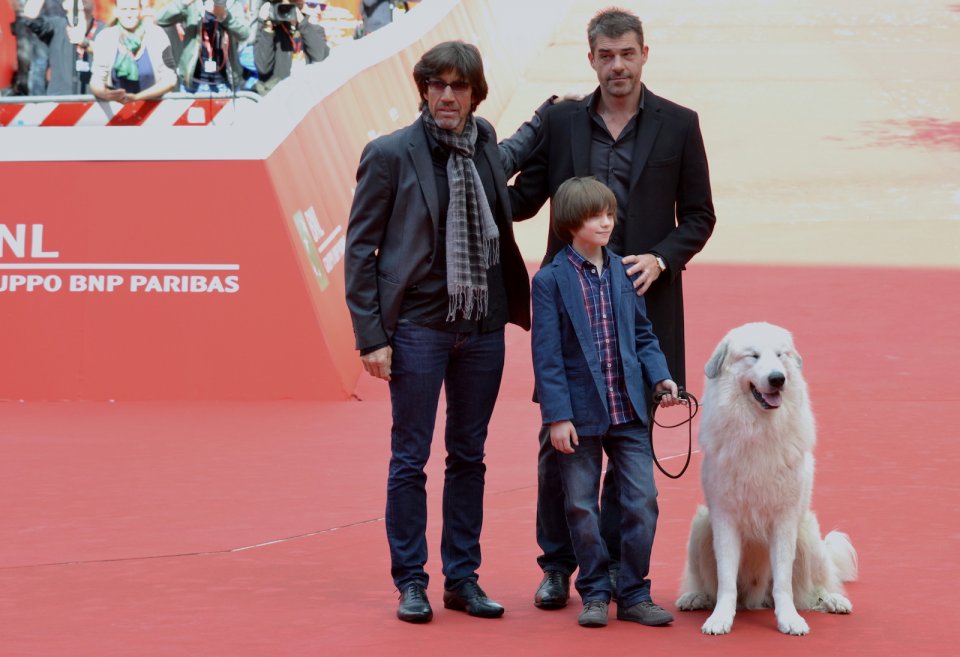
<point>282,12</point>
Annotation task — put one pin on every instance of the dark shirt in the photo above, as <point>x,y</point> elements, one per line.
<point>611,161</point>
<point>603,328</point>
<point>213,52</point>
<point>147,76</point>
<point>426,302</point>
<point>53,8</point>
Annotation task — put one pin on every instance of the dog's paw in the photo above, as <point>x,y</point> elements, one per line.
<point>718,623</point>
<point>790,622</point>
<point>835,603</point>
<point>695,600</point>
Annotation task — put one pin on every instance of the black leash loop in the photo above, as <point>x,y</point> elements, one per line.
<point>693,407</point>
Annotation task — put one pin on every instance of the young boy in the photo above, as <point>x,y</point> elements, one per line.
<point>595,358</point>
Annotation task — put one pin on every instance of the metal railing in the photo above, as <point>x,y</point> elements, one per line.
<point>85,110</point>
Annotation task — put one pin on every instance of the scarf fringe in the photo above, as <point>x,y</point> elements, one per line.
<point>470,302</point>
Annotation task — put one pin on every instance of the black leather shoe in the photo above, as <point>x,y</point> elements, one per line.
<point>554,591</point>
<point>469,597</point>
<point>414,606</point>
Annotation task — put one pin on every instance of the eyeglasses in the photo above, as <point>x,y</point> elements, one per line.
<point>439,86</point>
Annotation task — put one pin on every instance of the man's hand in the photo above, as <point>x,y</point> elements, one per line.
<point>575,96</point>
<point>563,436</point>
<point>313,15</point>
<point>265,17</point>
<point>672,398</point>
<point>377,363</point>
<point>31,9</point>
<point>77,33</point>
<point>645,267</point>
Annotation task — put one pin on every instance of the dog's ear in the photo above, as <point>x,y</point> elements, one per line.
<point>715,364</point>
<point>797,358</point>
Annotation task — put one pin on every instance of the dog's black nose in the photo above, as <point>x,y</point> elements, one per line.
<point>777,379</point>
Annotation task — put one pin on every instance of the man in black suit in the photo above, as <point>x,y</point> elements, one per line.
<point>650,152</point>
<point>433,274</point>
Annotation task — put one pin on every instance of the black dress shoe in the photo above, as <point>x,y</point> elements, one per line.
<point>414,606</point>
<point>469,597</point>
<point>554,591</point>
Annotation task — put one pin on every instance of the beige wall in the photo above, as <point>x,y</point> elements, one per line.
<point>832,128</point>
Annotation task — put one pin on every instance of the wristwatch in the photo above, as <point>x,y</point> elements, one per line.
<point>660,263</point>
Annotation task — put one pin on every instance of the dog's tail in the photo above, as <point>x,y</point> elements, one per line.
<point>843,555</point>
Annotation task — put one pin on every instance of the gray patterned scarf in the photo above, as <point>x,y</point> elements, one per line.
<point>473,241</point>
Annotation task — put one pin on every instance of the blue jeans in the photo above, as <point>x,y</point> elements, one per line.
<point>553,533</point>
<point>628,447</point>
<point>469,366</point>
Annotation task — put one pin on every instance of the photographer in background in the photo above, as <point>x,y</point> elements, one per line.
<point>131,58</point>
<point>66,35</point>
<point>375,14</point>
<point>289,31</point>
<point>209,62</point>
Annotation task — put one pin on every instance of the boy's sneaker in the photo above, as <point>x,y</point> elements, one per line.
<point>645,613</point>
<point>594,614</point>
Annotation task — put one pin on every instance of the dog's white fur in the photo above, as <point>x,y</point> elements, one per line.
<point>759,544</point>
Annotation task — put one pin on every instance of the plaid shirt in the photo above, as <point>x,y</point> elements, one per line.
<point>603,327</point>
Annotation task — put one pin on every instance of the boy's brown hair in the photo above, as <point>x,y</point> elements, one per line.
<point>578,199</point>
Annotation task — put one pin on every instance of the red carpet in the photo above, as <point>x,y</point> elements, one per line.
<point>124,524</point>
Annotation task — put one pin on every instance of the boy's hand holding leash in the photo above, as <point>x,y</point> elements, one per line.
<point>666,393</point>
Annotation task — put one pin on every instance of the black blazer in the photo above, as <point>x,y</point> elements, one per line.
<point>670,206</point>
<point>393,226</point>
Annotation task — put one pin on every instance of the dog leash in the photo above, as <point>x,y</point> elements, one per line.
<point>693,407</point>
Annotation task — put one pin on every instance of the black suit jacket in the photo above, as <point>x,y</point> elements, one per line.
<point>393,227</point>
<point>670,206</point>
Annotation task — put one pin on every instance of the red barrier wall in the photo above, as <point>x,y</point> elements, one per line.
<point>206,262</point>
<point>241,331</point>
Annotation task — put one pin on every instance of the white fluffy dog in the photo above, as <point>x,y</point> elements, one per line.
<point>757,544</point>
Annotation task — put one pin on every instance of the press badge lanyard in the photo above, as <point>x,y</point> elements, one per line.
<point>210,64</point>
